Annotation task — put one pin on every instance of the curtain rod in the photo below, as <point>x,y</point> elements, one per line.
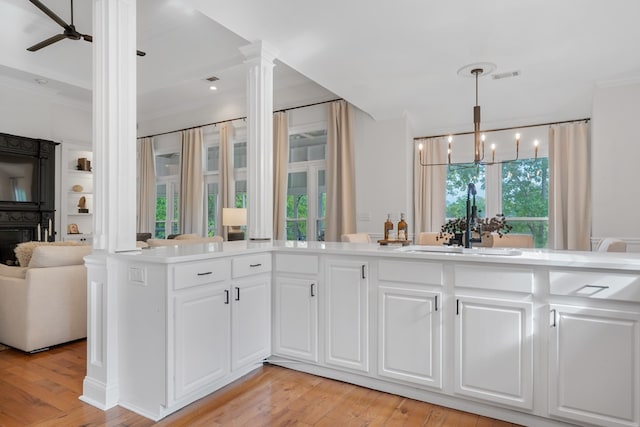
<point>501,129</point>
<point>237,118</point>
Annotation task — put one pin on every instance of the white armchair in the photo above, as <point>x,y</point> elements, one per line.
<point>45,303</point>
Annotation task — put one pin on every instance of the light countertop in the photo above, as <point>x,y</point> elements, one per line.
<point>542,257</point>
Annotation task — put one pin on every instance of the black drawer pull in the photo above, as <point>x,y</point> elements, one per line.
<point>255,265</point>
<point>313,294</point>
<point>436,302</point>
<point>237,293</point>
<point>205,274</point>
<point>226,296</point>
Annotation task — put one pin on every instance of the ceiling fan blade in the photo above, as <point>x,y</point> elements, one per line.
<point>47,42</point>
<point>89,38</point>
<point>51,15</point>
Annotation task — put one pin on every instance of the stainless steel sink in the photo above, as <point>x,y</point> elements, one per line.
<point>460,250</point>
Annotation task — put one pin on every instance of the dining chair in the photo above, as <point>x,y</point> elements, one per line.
<point>356,238</point>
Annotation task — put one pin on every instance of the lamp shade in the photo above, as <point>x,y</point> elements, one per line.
<point>234,217</point>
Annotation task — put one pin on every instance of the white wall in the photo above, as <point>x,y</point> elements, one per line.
<point>384,177</point>
<point>36,113</point>
<point>615,164</point>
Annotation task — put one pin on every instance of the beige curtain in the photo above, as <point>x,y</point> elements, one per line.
<point>280,165</point>
<point>191,186</point>
<point>569,189</point>
<point>429,185</point>
<point>341,211</point>
<point>146,187</point>
<point>227,185</point>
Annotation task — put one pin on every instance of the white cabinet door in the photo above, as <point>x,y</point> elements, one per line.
<point>202,339</point>
<point>296,318</point>
<point>346,314</point>
<point>409,335</point>
<point>250,320</point>
<point>594,365</point>
<point>494,350</point>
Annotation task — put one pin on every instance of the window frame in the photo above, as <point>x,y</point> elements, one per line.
<point>312,169</point>
<point>172,186</point>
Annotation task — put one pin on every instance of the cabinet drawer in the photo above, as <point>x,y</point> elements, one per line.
<point>428,273</point>
<point>302,264</point>
<point>601,285</point>
<point>198,273</point>
<point>251,264</point>
<point>494,278</point>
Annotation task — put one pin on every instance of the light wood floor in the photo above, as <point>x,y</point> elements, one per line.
<point>42,390</point>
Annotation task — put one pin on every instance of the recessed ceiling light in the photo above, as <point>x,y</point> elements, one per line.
<point>213,88</point>
<point>41,81</point>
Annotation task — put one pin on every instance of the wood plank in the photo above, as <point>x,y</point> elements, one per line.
<point>42,390</point>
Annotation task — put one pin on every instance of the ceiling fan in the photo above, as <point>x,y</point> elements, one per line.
<point>69,32</point>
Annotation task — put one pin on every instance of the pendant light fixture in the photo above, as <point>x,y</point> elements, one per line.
<point>477,70</point>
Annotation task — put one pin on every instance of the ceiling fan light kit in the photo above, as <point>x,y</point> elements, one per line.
<point>69,32</point>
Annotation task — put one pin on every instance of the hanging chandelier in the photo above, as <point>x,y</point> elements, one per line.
<point>478,137</point>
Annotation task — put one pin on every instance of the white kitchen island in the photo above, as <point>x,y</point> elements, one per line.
<point>532,337</point>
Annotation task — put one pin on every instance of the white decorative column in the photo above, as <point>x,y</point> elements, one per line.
<point>114,137</point>
<point>259,59</point>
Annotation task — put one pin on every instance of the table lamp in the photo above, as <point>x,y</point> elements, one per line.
<point>234,218</point>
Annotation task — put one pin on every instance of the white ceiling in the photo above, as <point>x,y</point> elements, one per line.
<point>390,59</point>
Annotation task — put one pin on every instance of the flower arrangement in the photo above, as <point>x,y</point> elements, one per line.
<point>497,224</point>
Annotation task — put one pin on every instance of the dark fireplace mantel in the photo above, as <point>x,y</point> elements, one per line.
<point>21,220</point>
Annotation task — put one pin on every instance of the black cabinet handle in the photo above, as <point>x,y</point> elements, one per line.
<point>204,274</point>
<point>237,293</point>
<point>436,302</point>
<point>254,265</point>
<point>312,293</point>
<point>457,307</point>
<point>363,276</point>
<point>226,296</point>
<point>553,318</point>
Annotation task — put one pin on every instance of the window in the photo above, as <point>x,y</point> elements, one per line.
<point>212,183</point>
<point>240,173</point>
<point>306,187</point>
<point>167,194</point>
<point>525,198</point>
<point>519,190</point>
<point>458,179</point>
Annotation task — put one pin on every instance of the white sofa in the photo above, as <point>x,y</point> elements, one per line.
<point>45,303</point>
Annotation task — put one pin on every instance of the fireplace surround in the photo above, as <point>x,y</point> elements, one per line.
<point>27,218</point>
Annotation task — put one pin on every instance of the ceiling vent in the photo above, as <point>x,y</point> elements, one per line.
<point>212,79</point>
<point>506,75</point>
